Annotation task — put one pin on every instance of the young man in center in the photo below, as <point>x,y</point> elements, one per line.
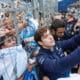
<point>51,59</point>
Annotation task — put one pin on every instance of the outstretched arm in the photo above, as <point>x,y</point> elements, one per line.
<point>72,43</point>
<point>59,65</point>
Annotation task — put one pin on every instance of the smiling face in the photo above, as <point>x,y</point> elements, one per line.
<point>47,40</point>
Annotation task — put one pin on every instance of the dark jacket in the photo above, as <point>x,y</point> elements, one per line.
<point>1,77</point>
<point>53,63</point>
<point>69,32</point>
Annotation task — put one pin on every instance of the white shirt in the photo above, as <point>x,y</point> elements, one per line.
<point>13,62</point>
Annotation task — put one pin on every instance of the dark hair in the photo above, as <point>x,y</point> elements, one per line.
<point>23,43</point>
<point>5,38</point>
<point>2,40</point>
<point>39,33</point>
<point>57,24</point>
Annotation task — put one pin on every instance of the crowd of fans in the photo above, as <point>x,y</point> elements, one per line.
<point>63,27</point>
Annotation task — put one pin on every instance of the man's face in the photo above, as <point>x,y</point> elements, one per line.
<point>47,40</point>
<point>60,32</point>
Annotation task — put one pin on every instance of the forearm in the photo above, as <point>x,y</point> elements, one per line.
<point>63,64</point>
<point>72,43</point>
<point>71,60</point>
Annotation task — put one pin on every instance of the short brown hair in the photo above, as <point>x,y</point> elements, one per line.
<point>39,33</point>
